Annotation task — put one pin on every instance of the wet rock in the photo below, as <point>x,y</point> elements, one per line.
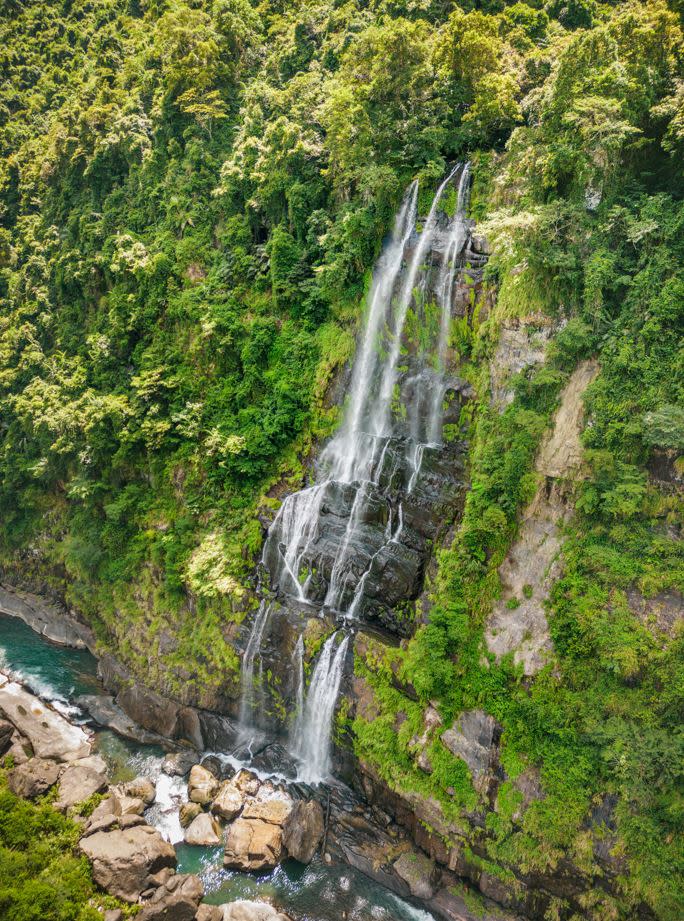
<point>252,911</point>
<point>34,777</point>
<point>6,732</point>
<point>303,830</point>
<point>213,764</point>
<point>188,812</point>
<point>141,788</point>
<point>229,801</point>
<point>77,784</point>
<point>122,859</point>
<point>177,900</point>
<point>46,617</point>
<point>474,737</point>
<point>149,710</point>
<point>203,831</point>
<point>50,734</point>
<point>275,758</point>
<point>105,712</point>
<point>419,872</point>
<point>202,785</point>
<point>246,782</point>
<point>178,764</point>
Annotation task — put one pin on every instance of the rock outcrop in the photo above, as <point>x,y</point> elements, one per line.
<point>49,733</point>
<point>303,830</point>
<point>177,899</point>
<point>518,622</point>
<point>123,859</point>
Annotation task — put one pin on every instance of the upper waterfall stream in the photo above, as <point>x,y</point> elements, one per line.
<point>353,544</point>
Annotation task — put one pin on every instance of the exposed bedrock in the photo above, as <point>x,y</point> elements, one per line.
<point>391,539</point>
<point>518,621</point>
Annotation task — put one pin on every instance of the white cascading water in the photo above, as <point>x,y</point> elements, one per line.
<point>312,729</point>
<point>356,459</point>
<point>249,689</point>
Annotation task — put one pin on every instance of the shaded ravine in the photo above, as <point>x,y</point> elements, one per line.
<point>353,545</point>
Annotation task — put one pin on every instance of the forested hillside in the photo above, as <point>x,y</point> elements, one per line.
<point>192,197</point>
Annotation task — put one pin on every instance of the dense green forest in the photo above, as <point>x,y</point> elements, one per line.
<point>192,197</point>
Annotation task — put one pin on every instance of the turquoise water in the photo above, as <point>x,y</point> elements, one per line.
<point>54,672</point>
<point>314,893</point>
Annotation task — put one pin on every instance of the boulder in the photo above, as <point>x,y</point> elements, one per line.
<point>273,809</point>
<point>229,801</point>
<point>243,910</point>
<point>203,831</point>
<point>303,830</point>
<point>110,805</point>
<point>246,782</point>
<point>77,784</point>
<point>418,872</point>
<point>50,734</point>
<point>102,823</point>
<point>141,788</point>
<point>34,777</point>
<point>160,878</point>
<point>253,844</point>
<point>131,805</point>
<point>177,900</point>
<point>95,762</point>
<point>209,913</point>
<point>178,764</point>
<point>6,732</point>
<point>202,785</point>
<point>214,764</point>
<point>188,812</point>
<point>122,859</point>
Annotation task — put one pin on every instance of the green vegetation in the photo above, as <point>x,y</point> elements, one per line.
<point>41,876</point>
<point>193,194</point>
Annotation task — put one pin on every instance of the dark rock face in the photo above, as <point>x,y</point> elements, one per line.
<point>389,545</point>
<point>303,830</point>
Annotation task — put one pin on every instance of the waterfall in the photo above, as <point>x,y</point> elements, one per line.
<point>331,542</point>
<point>450,263</point>
<point>298,661</point>
<point>311,736</point>
<point>249,694</point>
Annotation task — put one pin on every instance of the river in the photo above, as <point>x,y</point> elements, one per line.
<point>317,892</point>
